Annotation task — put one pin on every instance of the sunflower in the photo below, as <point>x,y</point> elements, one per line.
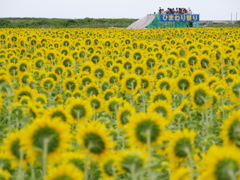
<point>212,81</point>
<point>112,78</point>
<point>183,84</point>
<point>80,110</point>
<point>25,100</point>
<point>13,59</point>
<point>45,134</point>
<point>97,103</point>
<point>181,173</point>
<point>127,54</point>
<point>91,89</point>
<point>76,158</point>
<point>171,60</point>
<point>52,56</point>
<point>23,66</point>
<point>35,109</point>
<point>5,83</point>
<point>64,171</point>
<point>192,60</point>
<point>95,58</point>
<point>230,130</point>
<point>58,112</point>
<point>131,161</point>
<point>5,175</point>
<point>54,76</point>
<point>67,61</point>
<point>222,89</point>
<point>74,54</point>
<point>70,84</point>
<point>87,66</point>
<point>109,93</point>
<point>113,104</point>
<point>17,112</point>
<point>182,63</point>
<point>13,69</point>
<point>230,78</point>
<point>94,138</point>
<point>24,91</point>
<point>64,51</point>
<point>5,161</point>
<point>179,116</point>
<point>116,68</point>
<point>146,127</point>
<point>214,70</point>
<point>164,83</point>
<point>2,62</point>
<point>98,72</point>
<point>220,163</point>
<point>139,69</point>
<point>181,147</point>
<point>128,65</point>
<point>82,54</point>
<point>146,83</point>
<point>199,76</point>
<point>205,62</point>
<point>232,70</point>
<point>25,78</point>
<point>48,84</point>
<point>214,97</point>
<point>200,96</point>
<point>12,146</point>
<point>39,52</point>
<point>163,109</point>
<point>85,80</point>
<point>131,84</point>
<point>124,114</point>
<point>108,63</point>
<point>235,91</point>
<point>171,73</point>
<point>109,167</point>
<point>150,62</point>
<point>42,98</point>
<point>77,93</point>
<point>59,70</point>
<point>160,95</point>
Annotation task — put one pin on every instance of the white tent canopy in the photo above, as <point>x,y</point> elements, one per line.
<point>141,23</point>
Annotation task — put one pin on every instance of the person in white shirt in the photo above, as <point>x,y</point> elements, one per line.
<point>189,11</point>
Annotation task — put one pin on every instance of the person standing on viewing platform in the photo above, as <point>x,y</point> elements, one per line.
<point>173,11</point>
<point>160,10</point>
<point>189,11</point>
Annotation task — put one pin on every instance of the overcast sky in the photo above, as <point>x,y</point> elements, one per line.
<point>74,9</point>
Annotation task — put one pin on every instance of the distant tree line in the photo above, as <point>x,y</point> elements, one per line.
<point>64,23</point>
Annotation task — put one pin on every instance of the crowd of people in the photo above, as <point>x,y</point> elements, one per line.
<point>175,11</point>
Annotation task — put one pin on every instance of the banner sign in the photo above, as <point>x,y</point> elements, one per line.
<point>179,17</point>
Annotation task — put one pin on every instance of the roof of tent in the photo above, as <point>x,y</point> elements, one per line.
<point>141,23</point>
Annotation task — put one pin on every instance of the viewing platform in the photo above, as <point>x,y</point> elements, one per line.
<point>174,21</point>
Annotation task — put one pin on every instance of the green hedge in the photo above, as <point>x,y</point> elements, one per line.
<point>64,23</point>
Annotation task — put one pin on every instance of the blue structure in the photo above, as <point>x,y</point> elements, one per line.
<point>174,20</point>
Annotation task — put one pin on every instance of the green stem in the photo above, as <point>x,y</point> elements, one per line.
<point>114,173</point>
<point>191,162</point>
<point>49,98</point>
<point>133,172</point>
<point>44,156</point>
<point>86,165</point>
<point>20,175</point>
<point>78,117</point>
<point>33,176</point>
<point>149,153</point>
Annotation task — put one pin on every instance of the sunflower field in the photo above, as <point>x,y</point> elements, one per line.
<point>120,104</point>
